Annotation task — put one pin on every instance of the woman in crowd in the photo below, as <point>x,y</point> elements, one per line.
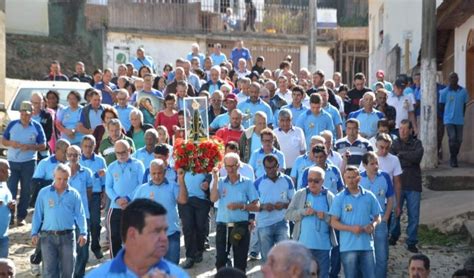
<point>67,119</point>
<point>169,116</point>
<point>138,128</point>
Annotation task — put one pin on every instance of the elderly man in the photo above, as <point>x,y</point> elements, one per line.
<point>169,194</point>
<point>275,191</point>
<point>283,91</point>
<point>419,266</point>
<point>7,206</point>
<point>124,108</point>
<point>216,108</point>
<point>222,119</point>
<point>367,116</point>
<point>381,105</point>
<point>44,117</point>
<point>91,113</point>
<point>146,154</point>
<point>80,73</point>
<point>237,196</point>
<point>214,82</point>
<point>291,139</point>
<point>107,146</point>
<point>241,68</point>
<point>234,130</point>
<point>195,53</point>
<point>144,232</point>
<point>254,104</point>
<point>23,139</point>
<point>309,209</point>
<point>143,60</point>
<point>289,259</point>
<point>123,176</point>
<point>58,210</point>
<point>332,110</point>
<point>333,156</point>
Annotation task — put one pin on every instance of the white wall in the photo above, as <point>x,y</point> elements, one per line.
<point>323,60</point>
<point>27,17</point>
<point>460,41</point>
<point>162,50</point>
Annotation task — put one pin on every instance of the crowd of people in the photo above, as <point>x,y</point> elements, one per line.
<point>308,158</point>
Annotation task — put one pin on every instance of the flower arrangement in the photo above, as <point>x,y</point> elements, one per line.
<point>197,157</point>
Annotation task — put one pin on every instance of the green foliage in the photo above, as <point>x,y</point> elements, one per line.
<point>435,237</point>
<point>354,21</point>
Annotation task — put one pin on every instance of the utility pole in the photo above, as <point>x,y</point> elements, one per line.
<point>313,29</point>
<point>428,86</point>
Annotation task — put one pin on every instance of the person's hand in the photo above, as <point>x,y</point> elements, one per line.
<point>268,207</point>
<point>11,205</point>
<point>205,185</point>
<point>369,228</point>
<point>215,173</point>
<point>122,203</point>
<point>252,224</point>
<point>180,173</point>
<point>309,211</point>
<point>34,240</point>
<point>82,240</point>
<point>16,144</point>
<point>101,173</point>
<point>320,214</point>
<point>357,229</point>
<point>107,88</point>
<point>398,211</point>
<point>279,206</point>
<point>24,147</point>
<point>346,155</point>
<point>234,206</point>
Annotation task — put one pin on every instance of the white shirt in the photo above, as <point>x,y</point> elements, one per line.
<point>340,102</point>
<point>336,159</point>
<point>243,74</point>
<point>389,164</point>
<point>286,96</point>
<point>291,143</point>
<point>403,104</point>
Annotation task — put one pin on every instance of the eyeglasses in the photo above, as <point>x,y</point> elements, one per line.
<point>230,166</point>
<point>314,180</point>
<point>121,153</point>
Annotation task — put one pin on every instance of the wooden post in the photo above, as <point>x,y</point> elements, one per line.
<point>428,86</point>
<point>313,29</point>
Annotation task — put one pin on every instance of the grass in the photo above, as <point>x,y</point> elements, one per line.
<point>435,237</point>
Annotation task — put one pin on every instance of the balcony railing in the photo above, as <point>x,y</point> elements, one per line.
<point>209,16</point>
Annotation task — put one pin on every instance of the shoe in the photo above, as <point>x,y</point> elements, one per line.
<point>21,222</point>
<point>392,241</point>
<point>188,263</point>
<point>207,246</point>
<point>412,248</point>
<point>35,270</point>
<point>98,254</point>
<point>198,258</point>
<point>253,256</point>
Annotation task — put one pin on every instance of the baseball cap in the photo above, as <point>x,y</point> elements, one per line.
<point>26,106</point>
<point>400,83</point>
<point>231,96</point>
<point>260,58</point>
<point>380,73</point>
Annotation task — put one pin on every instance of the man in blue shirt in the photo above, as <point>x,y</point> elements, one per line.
<point>355,212</point>
<point>267,138</point>
<point>145,154</point>
<point>23,138</point>
<point>81,180</point>
<point>380,184</point>
<point>107,87</point>
<point>217,56</point>
<point>58,210</point>
<point>124,108</point>
<point>195,53</point>
<point>316,120</point>
<point>237,196</point>
<point>254,104</point>
<point>148,91</point>
<point>240,52</point>
<point>122,178</point>
<point>453,100</point>
<point>168,194</point>
<point>275,191</point>
<point>367,116</point>
<point>143,60</point>
<point>98,167</point>
<point>7,205</point>
<point>162,152</point>
<point>91,113</point>
<point>145,245</point>
<point>353,146</point>
<point>296,106</point>
<point>332,110</point>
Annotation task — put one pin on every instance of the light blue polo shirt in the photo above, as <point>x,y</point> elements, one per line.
<point>82,181</point>
<point>256,142</point>
<point>295,112</point>
<point>336,116</point>
<point>116,268</point>
<point>45,168</point>
<point>282,190</point>
<point>193,185</point>
<point>106,97</point>
<point>94,117</point>
<point>314,125</point>
<point>144,156</point>
<point>122,179</point>
<point>220,121</point>
<point>381,186</point>
<point>31,134</point>
<point>5,213</point>
<point>217,59</point>
<point>332,179</point>
<point>55,212</point>
<point>301,163</point>
<point>454,102</point>
<point>368,121</point>
<point>355,210</point>
<point>95,163</point>
<point>124,115</point>
<point>250,108</point>
<point>242,191</point>
<point>315,233</point>
<point>69,119</point>
<point>170,175</point>
<point>165,194</point>
<point>256,161</point>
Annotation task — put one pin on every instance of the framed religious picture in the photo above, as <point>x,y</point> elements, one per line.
<point>196,123</point>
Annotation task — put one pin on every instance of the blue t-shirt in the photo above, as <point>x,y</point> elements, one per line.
<point>193,185</point>
<point>335,115</point>
<point>282,190</point>
<point>242,191</point>
<point>255,143</point>
<point>313,125</point>
<point>106,97</point>
<point>69,119</point>
<point>236,54</point>
<point>368,121</point>
<point>82,181</point>
<point>355,210</point>
<point>165,194</point>
<point>45,168</point>
<point>315,233</point>
<point>256,161</point>
<point>33,133</point>
<point>122,179</point>
<point>381,186</point>
<point>295,112</point>
<point>95,163</point>
<point>144,156</point>
<point>301,163</point>
<point>218,59</point>
<point>170,175</point>
<point>220,121</point>
<point>5,213</point>
<point>124,115</point>
<point>454,102</point>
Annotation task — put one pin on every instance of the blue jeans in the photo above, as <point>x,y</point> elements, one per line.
<point>59,255</point>
<point>22,172</point>
<point>412,199</point>
<point>4,247</point>
<point>82,255</point>
<point>173,248</point>
<point>358,264</point>
<point>322,258</point>
<point>254,242</point>
<point>455,133</point>
<point>335,259</point>
<point>381,249</point>
<point>271,235</point>
<point>94,208</point>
